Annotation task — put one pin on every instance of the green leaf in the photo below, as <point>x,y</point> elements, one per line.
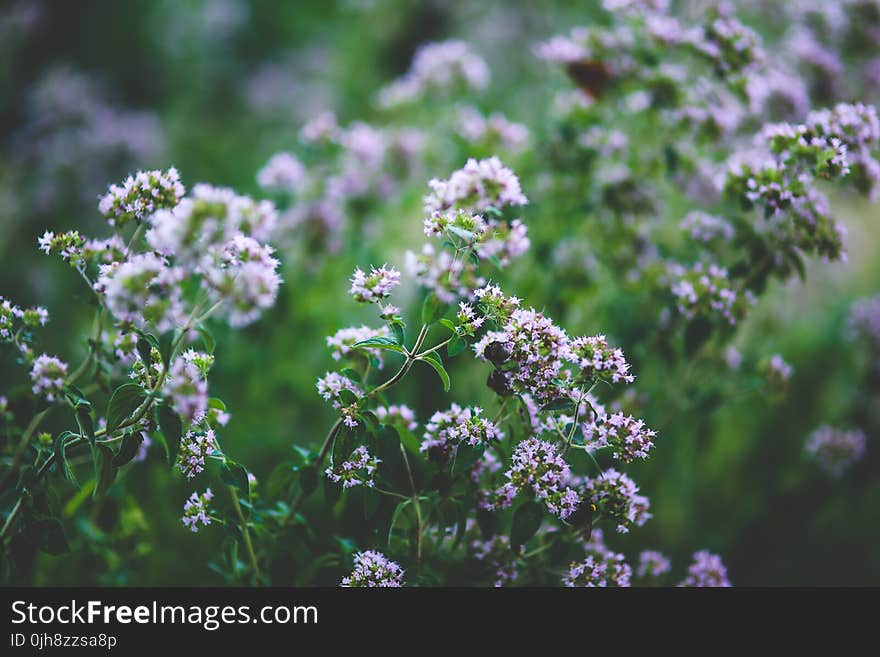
<point>125,400</point>
<point>466,457</point>
<point>166,342</point>
<point>371,502</point>
<point>172,430</point>
<point>105,473</point>
<point>151,339</point>
<point>84,420</point>
<point>379,342</point>
<point>344,444</point>
<point>409,440</point>
<point>349,373</point>
<point>466,235</point>
<point>235,475</point>
<point>456,346</point>
<point>207,339</point>
<point>696,333</point>
<point>61,457</point>
<point>49,535</point>
<point>394,516</point>
<point>308,479</point>
<point>145,350</point>
<point>128,450</point>
<point>347,397</point>
<point>332,491</point>
<point>448,323</point>
<point>526,521</point>
<point>387,448</point>
<point>432,309</point>
<point>434,361</point>
<point>399,334</point>
<point>560,404</point>
<point>217,403</point>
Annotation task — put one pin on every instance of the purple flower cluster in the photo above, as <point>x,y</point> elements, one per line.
<point>186,386</point>
<point>601,568</point>
<point>195,447</point>
<point>617,498</point>
<point>374,569</point>
<point>357,470</point>
<point>536,466</point>
<point>704,227</point>
<point>707,291</point>
<point>628,438</point>
<point>11,314</point>
<point>707,570</point>
<point>283,172</point>
<point>332,387</point>
<point>864,324</point>
<point>196,510</point>
<point>343,340</point>
<point>777,372</point>
<point>596,359</point>
<point>68,245</point>
<point>835,450</point>
<point>538,347</point>
<point>479,185</point>
<point>437,67</point>
<point>446,430</point>
<point>494,130</point>
<point>400,415</point>
<point>47,376</point>
<point>499,556</point>
<point>652,564</point>
<point>375,286</point>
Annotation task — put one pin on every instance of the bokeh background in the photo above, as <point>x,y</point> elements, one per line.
<point>91,91</point>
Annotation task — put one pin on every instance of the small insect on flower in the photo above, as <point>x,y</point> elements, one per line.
<point>374,569</point>
<point>617,498</point>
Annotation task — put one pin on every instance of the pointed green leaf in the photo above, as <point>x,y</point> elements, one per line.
<point>172,430</point>
<point>379,342</point>
<point>432,309</point>
<point>128,450</point>
<point>105,473</point>
<point>434,361</point>
<point>526,521</point>
<point>61,457</point>
<point>456,346</point>
<point>123,403</point>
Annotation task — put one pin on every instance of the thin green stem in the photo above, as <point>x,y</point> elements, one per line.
<point>437,347</point>
<point>245,532</point>
<point>415,501</point>
<point>22,445</point>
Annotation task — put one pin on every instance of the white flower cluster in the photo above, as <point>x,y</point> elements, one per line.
<point>141,195</point>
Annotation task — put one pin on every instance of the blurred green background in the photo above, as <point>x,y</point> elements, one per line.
<point>216,87</point>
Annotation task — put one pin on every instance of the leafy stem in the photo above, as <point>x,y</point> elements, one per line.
<point>245,532</point>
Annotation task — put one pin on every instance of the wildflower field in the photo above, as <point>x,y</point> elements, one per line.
<point>472,293</point>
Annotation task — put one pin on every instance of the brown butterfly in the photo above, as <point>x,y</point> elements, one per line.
<point>593,77</point>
